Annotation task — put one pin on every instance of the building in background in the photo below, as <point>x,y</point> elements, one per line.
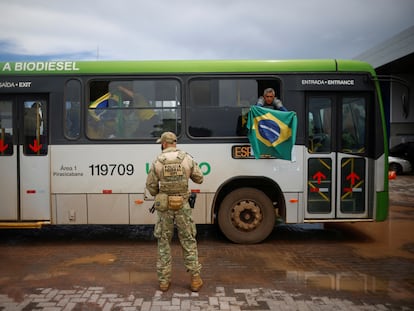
<point>393,60</point>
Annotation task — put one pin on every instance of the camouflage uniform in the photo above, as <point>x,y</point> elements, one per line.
<point>158,182</point>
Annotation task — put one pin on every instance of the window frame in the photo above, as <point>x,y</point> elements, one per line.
<point>262,82</point>
<point>178,110</point>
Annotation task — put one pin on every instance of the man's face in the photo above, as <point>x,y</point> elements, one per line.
<point>269,97</point>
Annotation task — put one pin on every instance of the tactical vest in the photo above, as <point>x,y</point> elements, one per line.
<point>173,177</point>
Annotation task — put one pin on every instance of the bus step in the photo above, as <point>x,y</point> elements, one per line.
<point>23,225</point>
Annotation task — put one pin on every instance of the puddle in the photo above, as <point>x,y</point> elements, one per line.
<point>103,259</point>
<point>43,276</point>
<point>341,281</point>
<point>59,270</point>
<point>391,238</point>
<point>317,273</point>
<point>135,277</point>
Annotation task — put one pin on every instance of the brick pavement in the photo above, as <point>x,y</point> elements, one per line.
<point>95,298</point>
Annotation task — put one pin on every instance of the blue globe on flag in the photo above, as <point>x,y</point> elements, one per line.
<point>269,130</point>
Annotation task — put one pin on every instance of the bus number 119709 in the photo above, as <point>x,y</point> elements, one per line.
<point>111,169</point>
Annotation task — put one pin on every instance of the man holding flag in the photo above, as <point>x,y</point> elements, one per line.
<point>269,100</point>
<point>271,132</point>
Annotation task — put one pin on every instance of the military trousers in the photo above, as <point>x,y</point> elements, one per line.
<point>164,231</point>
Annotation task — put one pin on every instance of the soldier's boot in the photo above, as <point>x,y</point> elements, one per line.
<point>196,282</point>
<point>164,286</point>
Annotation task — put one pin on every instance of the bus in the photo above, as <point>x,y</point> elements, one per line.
<point>78,137</point>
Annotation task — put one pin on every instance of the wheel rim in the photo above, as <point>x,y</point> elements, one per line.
<point>246,215</point>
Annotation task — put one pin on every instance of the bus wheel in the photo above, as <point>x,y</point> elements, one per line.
<point>246,216</point>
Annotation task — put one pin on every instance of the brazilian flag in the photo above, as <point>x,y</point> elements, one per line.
<point>271,132</point>
<point>99,108</point>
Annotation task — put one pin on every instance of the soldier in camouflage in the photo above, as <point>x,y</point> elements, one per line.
<point>167,180</point>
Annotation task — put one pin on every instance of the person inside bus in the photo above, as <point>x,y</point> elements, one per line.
<point>269,100</point>
<point>148,119</point>
<point>33,124</point>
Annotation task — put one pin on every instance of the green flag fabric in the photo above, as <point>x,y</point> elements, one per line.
<point>271,132</point>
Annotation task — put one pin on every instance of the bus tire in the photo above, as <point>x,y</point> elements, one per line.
<point>246,216</point>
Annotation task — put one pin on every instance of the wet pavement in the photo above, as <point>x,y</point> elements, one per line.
<point>360,266</point>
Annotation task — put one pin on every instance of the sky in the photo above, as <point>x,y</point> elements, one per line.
<point>197,29</point>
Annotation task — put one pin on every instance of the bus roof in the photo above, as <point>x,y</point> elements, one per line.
<point>181,66</point>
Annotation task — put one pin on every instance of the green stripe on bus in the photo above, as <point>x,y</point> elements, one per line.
<point>177,67</point>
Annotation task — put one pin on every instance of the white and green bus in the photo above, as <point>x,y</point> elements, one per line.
<point>77,139</point>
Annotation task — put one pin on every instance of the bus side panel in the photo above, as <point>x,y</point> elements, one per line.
<point>104,184</point>
<point>202,210</point>
<point>381,189</point>
<point>108,208</point>
<point>34,187</point>
<point>217,164</point>
<point>100,169</point>
<point>382,206</point>
<point>294,207</point>
<point>8,191</point>
<point>70,209</point>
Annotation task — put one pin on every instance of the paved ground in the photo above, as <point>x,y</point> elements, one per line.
<point>367,266</point>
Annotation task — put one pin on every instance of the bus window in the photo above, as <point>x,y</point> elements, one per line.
<point>319,124</point>
<point>6,128</point>
<point>35,128</point>
<point>133,109</point>
<point>218,107</point>
<point>72,109</point>
<point>353,124</point>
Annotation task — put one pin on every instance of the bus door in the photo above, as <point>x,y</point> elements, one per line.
<point>24,159</point>
<point>337,179</point>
